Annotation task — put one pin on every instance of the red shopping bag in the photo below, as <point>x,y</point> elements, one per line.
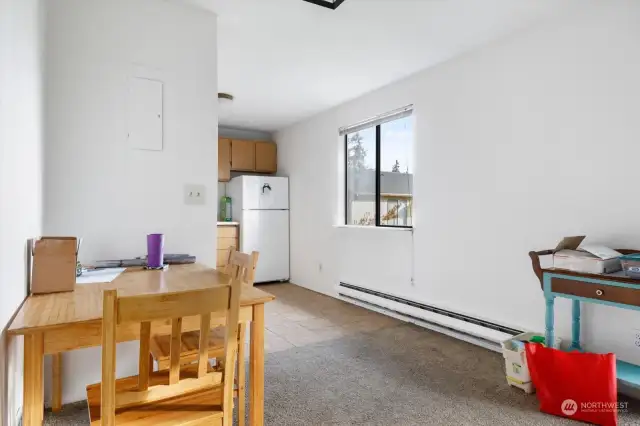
<point>580,386</point>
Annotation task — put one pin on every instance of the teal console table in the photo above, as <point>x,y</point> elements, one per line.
<point>615,290</point>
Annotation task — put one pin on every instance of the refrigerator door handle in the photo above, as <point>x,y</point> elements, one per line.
<point>266,186</point>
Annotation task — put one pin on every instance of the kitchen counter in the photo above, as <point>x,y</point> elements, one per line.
<point>228,223</point>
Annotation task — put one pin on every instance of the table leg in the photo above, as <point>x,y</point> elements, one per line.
<point>256,371</point>
<point>56,382</point>
<point>549,337</point>
<point>33,391</point>
<point>575,327</point>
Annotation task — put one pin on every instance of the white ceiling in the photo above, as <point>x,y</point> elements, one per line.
<point>286,60</point>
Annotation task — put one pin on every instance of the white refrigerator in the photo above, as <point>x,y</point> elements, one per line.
<point>261,205</point>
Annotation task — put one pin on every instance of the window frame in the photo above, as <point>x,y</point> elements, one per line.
<point>377,185</point>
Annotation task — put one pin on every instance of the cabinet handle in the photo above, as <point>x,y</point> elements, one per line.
<point>599,292</point>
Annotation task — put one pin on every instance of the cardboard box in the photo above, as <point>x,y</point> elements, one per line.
<point>54,265</point>
<point>591,259</point>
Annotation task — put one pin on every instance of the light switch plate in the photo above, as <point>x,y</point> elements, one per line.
<point>195,194</point>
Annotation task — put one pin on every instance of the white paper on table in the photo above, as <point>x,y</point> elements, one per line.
<point>99,275</point>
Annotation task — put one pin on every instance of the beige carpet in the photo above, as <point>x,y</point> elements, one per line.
<point>402,375</point>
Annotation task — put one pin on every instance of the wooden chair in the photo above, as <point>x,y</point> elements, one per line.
<point>240,266</point>
<point>192,395</point>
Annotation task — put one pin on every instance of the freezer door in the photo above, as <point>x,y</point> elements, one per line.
<point>267,232</point>
<point>274,193</point>
<point>265,193</point>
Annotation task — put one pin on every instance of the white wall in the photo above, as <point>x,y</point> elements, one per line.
<point>21,27</point>
<point>96,186</point>
<point>517,144</point>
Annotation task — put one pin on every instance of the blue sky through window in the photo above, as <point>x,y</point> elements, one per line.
<point>396,144</point>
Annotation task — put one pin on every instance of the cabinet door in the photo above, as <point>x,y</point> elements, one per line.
<point>243,155</point>
<point>224,160</point>
<point>266,157</point>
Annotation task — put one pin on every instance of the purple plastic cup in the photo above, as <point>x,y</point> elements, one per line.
<point>155,250</point>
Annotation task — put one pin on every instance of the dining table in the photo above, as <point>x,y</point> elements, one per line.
<point>54,323</point>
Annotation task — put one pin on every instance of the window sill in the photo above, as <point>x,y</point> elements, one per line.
<point>383,228</point>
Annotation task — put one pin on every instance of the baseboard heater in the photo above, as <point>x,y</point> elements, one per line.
<point>474,330</point>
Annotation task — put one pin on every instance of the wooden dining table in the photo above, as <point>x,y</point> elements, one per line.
<point>60,322</point>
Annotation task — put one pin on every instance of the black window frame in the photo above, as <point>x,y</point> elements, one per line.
<point>377,186</point>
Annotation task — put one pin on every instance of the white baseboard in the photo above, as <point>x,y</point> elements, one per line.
<point>472,333</point>
<point>430,326</point>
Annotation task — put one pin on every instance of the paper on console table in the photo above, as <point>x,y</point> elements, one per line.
<point>99,275</point>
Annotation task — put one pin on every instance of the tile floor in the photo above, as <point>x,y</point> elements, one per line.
<point>299,317</point>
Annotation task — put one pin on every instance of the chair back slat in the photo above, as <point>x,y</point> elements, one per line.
<point>149,307</point>
<point>144,363</point>
<point>203,345</point>
<point>176,342</point>
<point>242,266</point>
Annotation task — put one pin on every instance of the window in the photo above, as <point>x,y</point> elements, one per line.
<point>379,171</point>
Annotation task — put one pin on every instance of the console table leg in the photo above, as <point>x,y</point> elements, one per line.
<point>549,319</point>
<point>575,328</point>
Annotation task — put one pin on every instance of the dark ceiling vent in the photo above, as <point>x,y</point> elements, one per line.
<point>330,4</point>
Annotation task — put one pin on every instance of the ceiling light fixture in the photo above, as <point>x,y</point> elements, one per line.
<point>330,4</point>
<point>225,98</point>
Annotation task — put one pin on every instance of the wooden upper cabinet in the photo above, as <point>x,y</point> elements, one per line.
<point>243,155</point>
<point>224,160</point>
<point>266,157</point>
